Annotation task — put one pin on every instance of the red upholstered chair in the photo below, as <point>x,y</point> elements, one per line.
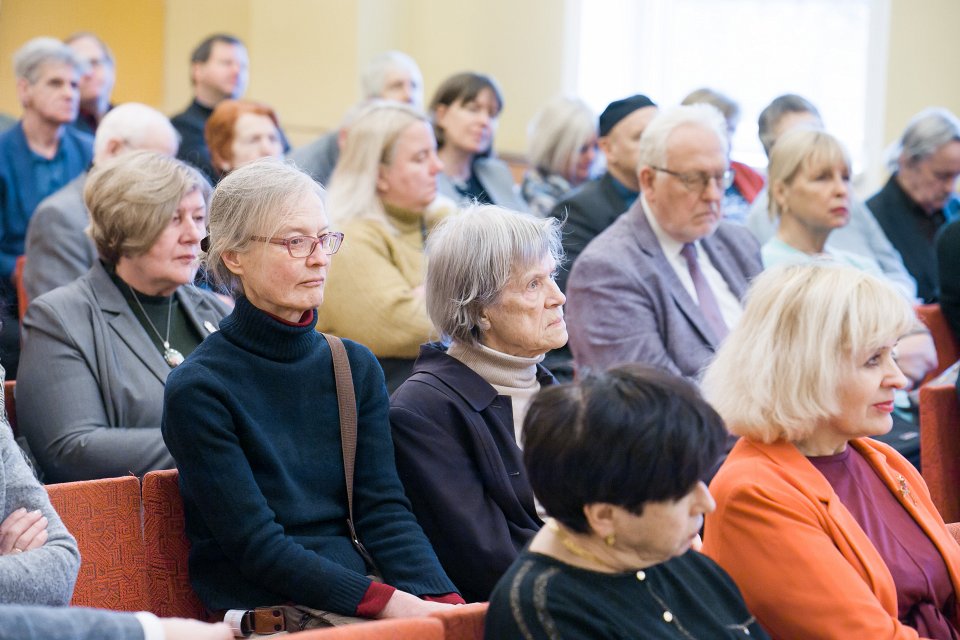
<point>167,547</point>
<point>10,404</point>
<point>22,299</point>
<point>464,622</point>
<point>399,629</point>
<point>104,517</point>
<point>948,349</point>
<point>940,447</point>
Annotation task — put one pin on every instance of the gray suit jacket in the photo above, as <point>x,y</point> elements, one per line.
<point>319,157</point>
<point>21,622</point>
<point>586,213</point>
<point>625,303</point>
<point>90,389</point>
<point>57,248</point>
<point>497,181</point>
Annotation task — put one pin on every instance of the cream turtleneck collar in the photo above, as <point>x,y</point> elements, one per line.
<point>512,376</point>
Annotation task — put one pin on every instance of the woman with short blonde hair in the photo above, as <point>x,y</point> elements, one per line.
<point>809,179</point>
<point>828,532</point>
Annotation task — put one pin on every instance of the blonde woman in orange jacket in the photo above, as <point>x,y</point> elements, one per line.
<point>828,533</point>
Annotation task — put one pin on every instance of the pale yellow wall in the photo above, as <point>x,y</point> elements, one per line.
<point>133,29</point>
<point>187,23</point>
<point>921,59</point>
<point>306,54</point>
<point>520,44</point>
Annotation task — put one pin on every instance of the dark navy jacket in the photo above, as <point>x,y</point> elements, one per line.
<point>462,469</point>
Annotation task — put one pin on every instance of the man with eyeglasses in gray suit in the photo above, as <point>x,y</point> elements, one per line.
<point>663,284</point>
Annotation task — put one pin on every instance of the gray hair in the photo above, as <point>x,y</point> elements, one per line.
<point>771,115</point>
<point>925,133</point>
<point>721,102</point>
<point>370,144</point>
<point>131,122</point>
<point>254,200</point>
<point>471,258</point>
<point>107,53</point>
<point>374,74</point>
<point>557,133</point>
<point>132,198</point>
<point>653,144</point>
<point>30,58</point>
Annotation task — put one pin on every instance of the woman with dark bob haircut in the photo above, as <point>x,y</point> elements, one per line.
<point>465,110</point>
<point>618,460</point>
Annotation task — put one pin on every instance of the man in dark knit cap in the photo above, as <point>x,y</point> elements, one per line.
<point>594,206</point>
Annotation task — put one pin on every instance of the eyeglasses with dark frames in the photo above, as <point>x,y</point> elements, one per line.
<point>304,246</point>
<point>697,181</point>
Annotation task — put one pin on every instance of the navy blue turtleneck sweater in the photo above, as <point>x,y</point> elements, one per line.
<point>251,418</point>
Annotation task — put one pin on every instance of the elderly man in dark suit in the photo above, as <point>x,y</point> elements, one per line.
<point>920,197</point>
<point>663,284</point>
<point>593,207</point>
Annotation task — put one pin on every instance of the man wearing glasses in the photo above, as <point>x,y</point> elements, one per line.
<point>663,284</point>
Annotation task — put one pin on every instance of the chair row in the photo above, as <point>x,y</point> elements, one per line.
<point>134,558</point>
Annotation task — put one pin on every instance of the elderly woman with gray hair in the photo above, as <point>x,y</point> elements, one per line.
<point>562,150</point>
<point>97,351</point>
<point>253,419</point>
<point>456,421</point>
<point>920,196</point>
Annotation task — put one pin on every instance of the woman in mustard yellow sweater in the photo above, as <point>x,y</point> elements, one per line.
<point>383,196</point>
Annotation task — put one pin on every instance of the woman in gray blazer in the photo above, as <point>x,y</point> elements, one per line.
<point>465,110</point>
<point>97,352</point>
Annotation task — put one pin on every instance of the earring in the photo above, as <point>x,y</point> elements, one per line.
<point>610,540</point>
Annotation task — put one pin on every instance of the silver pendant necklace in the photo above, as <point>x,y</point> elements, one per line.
<point>171,355</point>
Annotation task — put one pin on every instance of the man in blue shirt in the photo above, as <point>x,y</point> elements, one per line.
<point>38,156</point>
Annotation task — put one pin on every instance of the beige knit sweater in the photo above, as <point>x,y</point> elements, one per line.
<point>371,295</point>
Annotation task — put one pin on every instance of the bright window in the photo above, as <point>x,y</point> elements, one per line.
<point>828,51</point>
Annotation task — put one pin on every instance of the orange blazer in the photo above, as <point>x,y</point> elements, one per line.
<point>804,565</point>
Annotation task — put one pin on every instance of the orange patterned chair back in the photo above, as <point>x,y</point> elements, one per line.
<point>464,622</point>
<point>399,629</point>
<point>168,580</point>
<point>948,350</point>
<point>104,517</point>
<point>940,448</point>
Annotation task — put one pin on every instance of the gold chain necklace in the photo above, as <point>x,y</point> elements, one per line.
<point>575,548</point>
<point>668,616</point>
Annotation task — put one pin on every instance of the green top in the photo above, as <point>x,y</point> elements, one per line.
<point>183,334</point>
